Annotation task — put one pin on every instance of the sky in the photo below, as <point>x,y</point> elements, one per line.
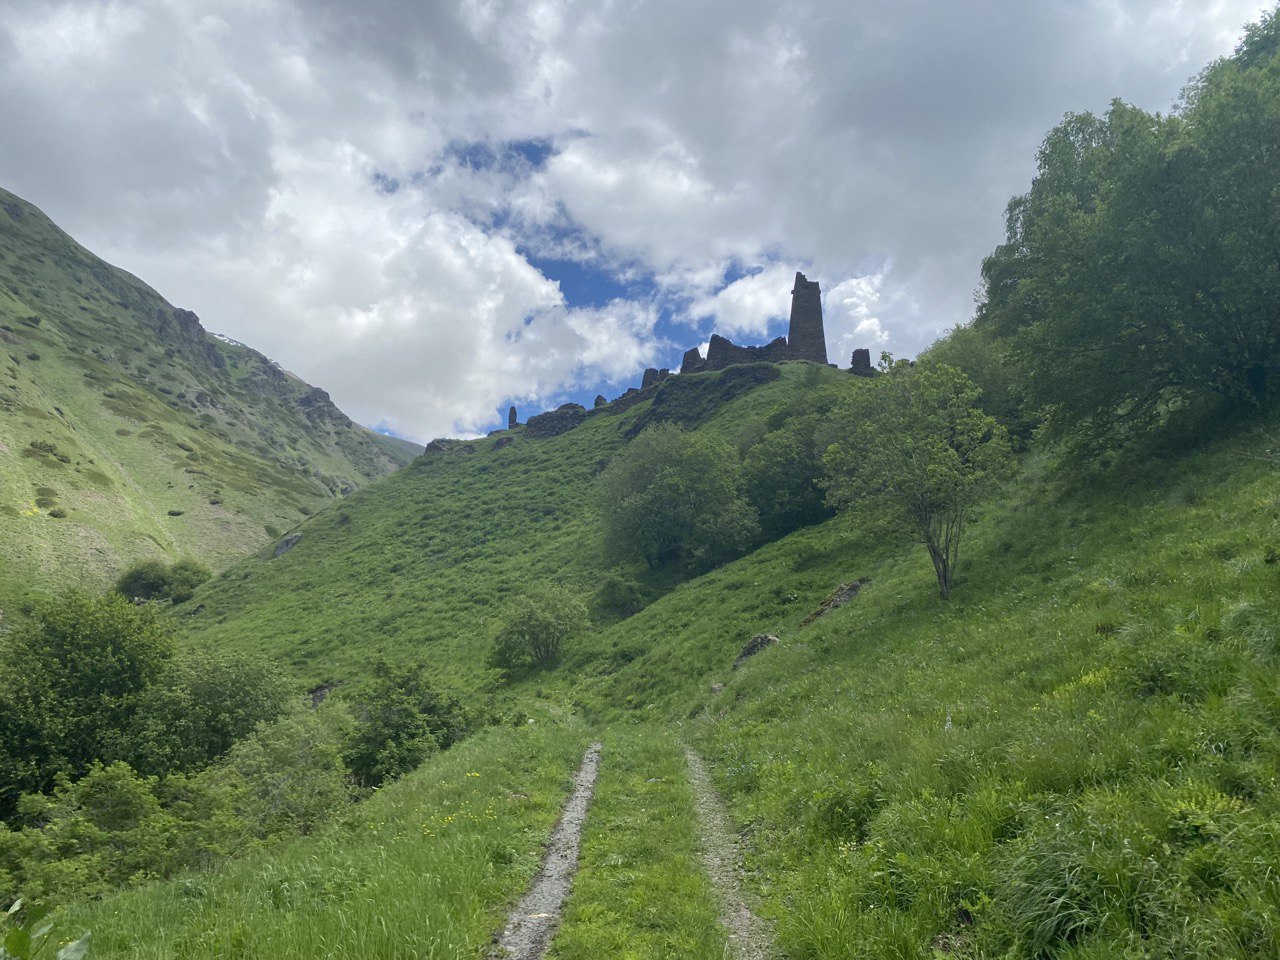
<point>436,209</point>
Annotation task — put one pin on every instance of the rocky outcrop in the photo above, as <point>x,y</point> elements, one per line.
<point>600,401</point>
<point>761,641</point>
<point>287,544</point>
<point>555,422</point>
<point>845,593</point>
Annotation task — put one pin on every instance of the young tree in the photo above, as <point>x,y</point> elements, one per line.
<point>673,496</point>
<point>918,450</point>
<point>536,626</point>
<point>400,721</point>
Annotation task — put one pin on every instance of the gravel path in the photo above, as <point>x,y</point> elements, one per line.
<point>536,917</point>
<point>749,936</point>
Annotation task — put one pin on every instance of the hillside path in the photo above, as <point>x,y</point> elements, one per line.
<point>535,918</point>
<point>749,937</point>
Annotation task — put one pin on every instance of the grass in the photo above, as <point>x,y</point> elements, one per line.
<point>129,422</point>
<point>1075,757</point>
<point>641,892</point>
<point>426,868</point>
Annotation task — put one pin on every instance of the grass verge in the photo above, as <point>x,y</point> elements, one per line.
<point>641,892</point>
<point>426,868</point>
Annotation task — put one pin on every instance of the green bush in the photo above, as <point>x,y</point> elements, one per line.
<point>156,580</point>
<point>535,628</point>
<point>400,721</point>
<point>70,684</point>
<point>671,496</point>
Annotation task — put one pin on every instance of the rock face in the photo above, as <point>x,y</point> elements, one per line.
<point>600,401</point>
<point>512,420</point>
<point>561,420</point>
<point>287,544</point>
<point>653,377</point>
<point>761,641</point>
<point>860,364</point>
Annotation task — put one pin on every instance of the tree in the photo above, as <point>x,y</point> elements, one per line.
<point>400,721</point>
<point>200,705</point>
<point>70,684</point>
<point>671,496</point>
<point>536,626</point>
<point>1138,279</point>
<point>918,450</point>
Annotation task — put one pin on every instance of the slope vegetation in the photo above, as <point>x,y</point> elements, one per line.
<point>1076,756</point>
<point>127,431</point>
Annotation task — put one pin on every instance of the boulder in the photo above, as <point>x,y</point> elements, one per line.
<point>761,641</point>
<point>287,544</point>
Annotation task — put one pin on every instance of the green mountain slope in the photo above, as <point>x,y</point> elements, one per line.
<point>1076,756</point>
<point>127,431</point>
<point>415,567</point>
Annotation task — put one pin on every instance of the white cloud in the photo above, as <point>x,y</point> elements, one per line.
<point>225,151</point>
<point>749,304</point>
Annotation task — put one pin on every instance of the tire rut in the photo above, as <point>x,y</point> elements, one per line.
<point>750,937</point>
<point>536,917</point>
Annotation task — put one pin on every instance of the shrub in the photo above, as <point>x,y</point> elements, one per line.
<point>70,684</point>
<point>535,628</point>
<point>673,496</point>
<point>156,580</point>
<point>400,721</point>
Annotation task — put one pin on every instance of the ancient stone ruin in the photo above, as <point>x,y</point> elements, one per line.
<point>805,340</point>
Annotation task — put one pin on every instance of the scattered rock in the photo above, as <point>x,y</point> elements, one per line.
<point>761,641</point>
<point>717,688</point>
<point>287,544</point>
<point>843,595</point>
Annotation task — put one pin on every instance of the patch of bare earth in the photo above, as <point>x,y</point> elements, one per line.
<point>536,917</point>
<point>749,937</point>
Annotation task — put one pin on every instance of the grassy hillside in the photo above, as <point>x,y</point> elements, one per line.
<point>126,431</point>
<point>1074,757</point>
<point>417,566</point>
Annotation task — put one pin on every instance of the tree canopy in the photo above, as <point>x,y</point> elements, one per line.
<point>916,452</point>
<point>1140,273</point>
<point>672,496</point>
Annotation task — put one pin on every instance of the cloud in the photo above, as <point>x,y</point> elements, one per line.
<point>358,190</point>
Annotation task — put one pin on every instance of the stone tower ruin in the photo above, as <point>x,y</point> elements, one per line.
<point>806,338</point>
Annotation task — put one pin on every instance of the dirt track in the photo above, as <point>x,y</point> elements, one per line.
<point>536,917</point>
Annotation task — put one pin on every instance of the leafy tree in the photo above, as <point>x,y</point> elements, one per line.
<point>672,496</point>
<point>70,684</point>
<point>156,580</point>
<point>290,776</point>
<point>200,705</point>
<point>400,721</point>
<point>535,627</point>
<point>918,452</point>
<point>783,478</point>
<point>1139,279</point>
